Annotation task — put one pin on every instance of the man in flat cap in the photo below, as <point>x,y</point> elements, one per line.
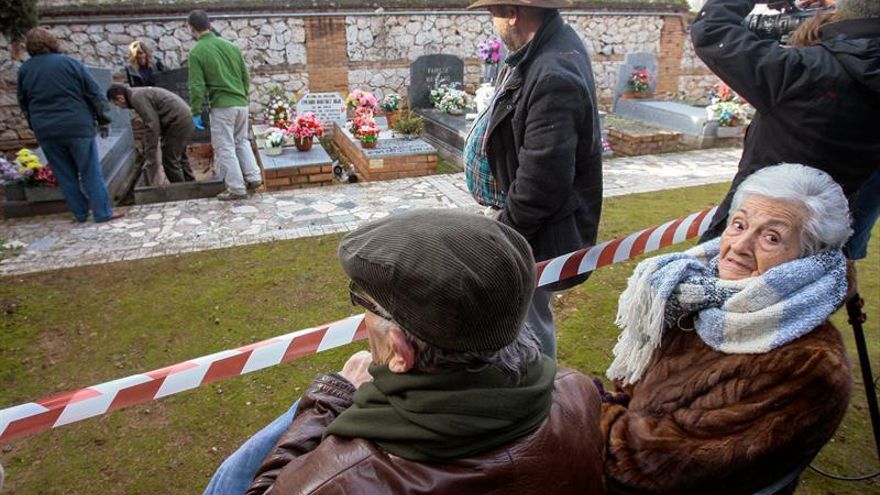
<point>455,395</point>
<point>534,155</point>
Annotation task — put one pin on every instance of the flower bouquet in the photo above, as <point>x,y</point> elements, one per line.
<point>36,178</point>
<point>368,136</point>
<point>490,53</point>
<point>728,109</point>
<point>360,98</point>
<point>639,83</point>
<point>450,100</point>
<point>274,142</point>
<point>278,112</point>
<point>363,118</point>
<point>304,130</point>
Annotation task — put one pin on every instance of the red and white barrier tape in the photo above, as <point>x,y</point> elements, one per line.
<point>34,417</point>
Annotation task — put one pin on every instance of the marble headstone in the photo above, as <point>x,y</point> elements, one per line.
<point>177,81</point>
<point>630,62</point>
<point>116,152</point>
<point>328,107</point>
<point>429,72</point>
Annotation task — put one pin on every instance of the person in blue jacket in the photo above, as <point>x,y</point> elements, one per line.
<point>64,106</point>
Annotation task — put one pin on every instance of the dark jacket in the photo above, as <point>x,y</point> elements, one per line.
<point>564,456</point>
<point>164,114</point>
<point>143,76</point>
<point>545,144</point>
<point>817,106</point>
<point>60,99</point>
<point>701,421</point>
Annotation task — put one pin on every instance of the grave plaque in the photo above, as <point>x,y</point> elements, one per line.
<point>328,107</point>
<point>430,71</point>
<point>177,81</point>
<point>630,62</point>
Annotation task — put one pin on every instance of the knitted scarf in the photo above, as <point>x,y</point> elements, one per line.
<point>748,316</point>
<point>437,417</point>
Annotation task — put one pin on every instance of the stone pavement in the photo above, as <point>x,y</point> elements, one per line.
<point>52,242</point>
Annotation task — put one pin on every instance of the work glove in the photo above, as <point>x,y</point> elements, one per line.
<point>197,121</point>
<point>104,130</point>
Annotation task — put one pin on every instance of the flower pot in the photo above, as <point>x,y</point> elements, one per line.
<point>42,194</point>
<point>273,150</point>
<point>392,118</point>
<point>369,145</point>
<point>729,132</point>
<point>636,95</point>
<point>15,192</point>
<point>303,144</point>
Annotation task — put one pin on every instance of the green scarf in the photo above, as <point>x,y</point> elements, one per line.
<point>437,417</point>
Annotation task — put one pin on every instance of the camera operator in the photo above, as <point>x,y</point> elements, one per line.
<point>817,104</point>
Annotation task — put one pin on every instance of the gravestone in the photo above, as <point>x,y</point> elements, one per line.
<point>630,62</point>
<point>329,108</point>
<point>177,81</point>
<point>116,152</point>
<point>429,72</point>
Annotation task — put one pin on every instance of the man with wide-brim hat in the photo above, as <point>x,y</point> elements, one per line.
<point>534,156</point>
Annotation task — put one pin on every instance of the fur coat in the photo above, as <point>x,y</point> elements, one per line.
<point>700,421</point>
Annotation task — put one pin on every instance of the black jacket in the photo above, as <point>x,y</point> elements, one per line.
<point>545,145</point>
<point>817,106</point>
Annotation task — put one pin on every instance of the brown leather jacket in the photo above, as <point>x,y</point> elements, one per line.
<point>563,456</point>
<point>705,422</point>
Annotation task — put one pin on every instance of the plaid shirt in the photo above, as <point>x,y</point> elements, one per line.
<point>477,172</point>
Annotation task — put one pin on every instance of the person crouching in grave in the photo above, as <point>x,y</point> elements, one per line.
<point>454,395</point>
<point>733,375</point>
<point>167,119</point>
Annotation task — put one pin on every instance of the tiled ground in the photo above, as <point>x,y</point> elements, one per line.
<point>52,242</point>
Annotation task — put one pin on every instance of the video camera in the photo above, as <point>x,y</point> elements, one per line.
<point>780,26</point>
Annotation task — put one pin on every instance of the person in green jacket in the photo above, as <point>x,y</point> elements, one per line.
<point>218,74</point>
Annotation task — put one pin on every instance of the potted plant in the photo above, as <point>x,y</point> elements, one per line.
<point>363,118</point>
<point>639,83</point>
<point>37,178</point>
<point>490,53</point>
<point>391,106</point>
<point>304,131</point>
<point>731,116</point>
<point>368,136</point>
<point>409,125</point>
<point>728,109</point>
<point>274,142</point>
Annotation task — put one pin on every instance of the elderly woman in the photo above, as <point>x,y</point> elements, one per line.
<point>142,65</point>
<point>736,377</point>
<point>64,106</point>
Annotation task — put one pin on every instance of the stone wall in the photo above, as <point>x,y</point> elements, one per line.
<point>371,51</point>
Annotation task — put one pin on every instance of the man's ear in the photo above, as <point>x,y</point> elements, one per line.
<point>403,356</point>
<point>511,14</point>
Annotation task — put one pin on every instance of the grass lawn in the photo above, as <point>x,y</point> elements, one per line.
<point>77,327</point>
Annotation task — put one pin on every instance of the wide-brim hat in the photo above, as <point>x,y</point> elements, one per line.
<point>541,4</point>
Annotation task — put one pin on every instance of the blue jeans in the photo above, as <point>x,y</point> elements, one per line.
<point>865,211</point>
<point>75,164</point>
<point>237,472</point>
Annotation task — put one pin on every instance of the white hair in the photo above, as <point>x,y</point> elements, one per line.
<point>827,224</point>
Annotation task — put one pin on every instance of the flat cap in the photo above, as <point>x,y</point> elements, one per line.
<point>458,281</point>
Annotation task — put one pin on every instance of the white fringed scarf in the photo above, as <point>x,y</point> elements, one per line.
<point>748,316</point>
